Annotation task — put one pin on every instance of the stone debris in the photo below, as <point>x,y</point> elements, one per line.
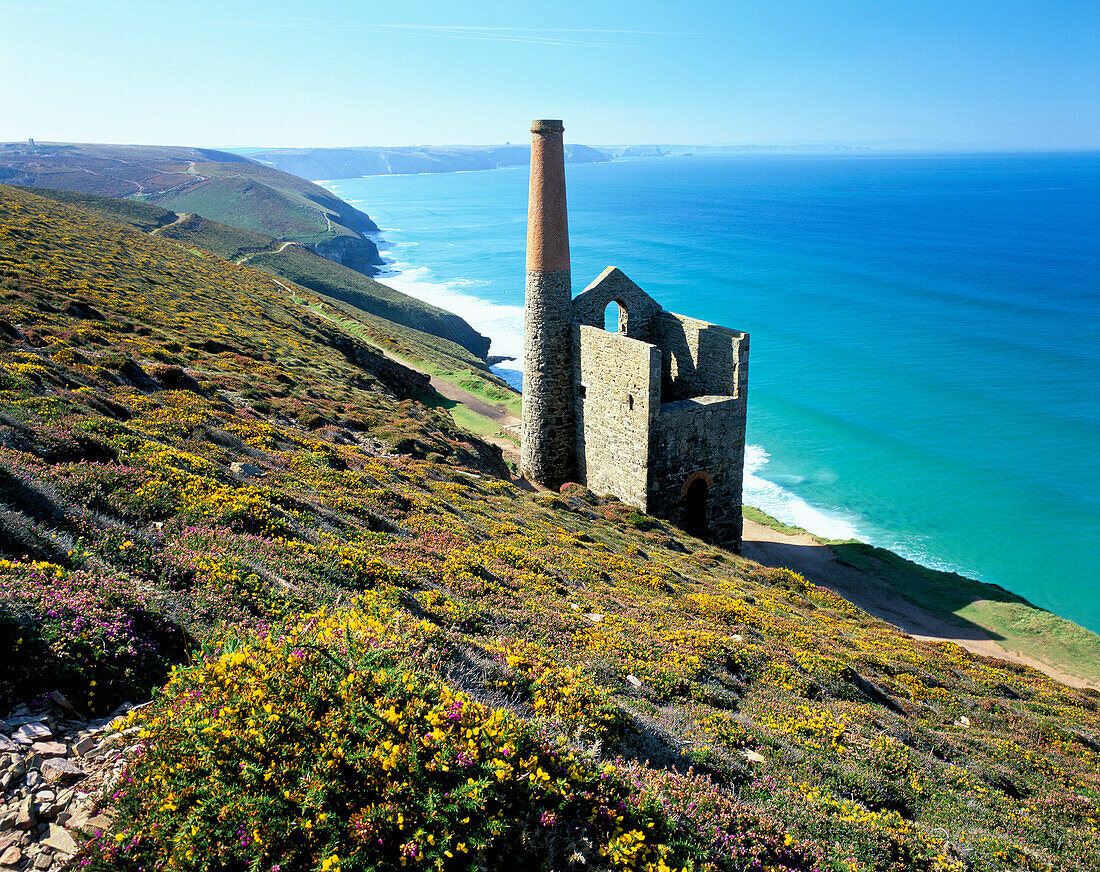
<point>752,756</point>
<point>54,767</point>
<point>28,734</point>
<point>50,749</point>
<point>58,769</point>
<point>246,470</point>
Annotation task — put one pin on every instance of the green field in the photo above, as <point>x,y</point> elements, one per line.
<point>215,184</point>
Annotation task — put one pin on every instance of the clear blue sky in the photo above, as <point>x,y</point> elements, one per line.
<point>336,72</point>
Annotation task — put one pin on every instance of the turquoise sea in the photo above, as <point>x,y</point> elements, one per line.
<point>925,367</point>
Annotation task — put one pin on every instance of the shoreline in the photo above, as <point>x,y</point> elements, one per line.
<point>982,618</point>
<point>993,622</point>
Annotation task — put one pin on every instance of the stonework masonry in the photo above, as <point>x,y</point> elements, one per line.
<point>619,379</point>
<point>653,412</point>
<point>700,435</point>
<point>547,453</point>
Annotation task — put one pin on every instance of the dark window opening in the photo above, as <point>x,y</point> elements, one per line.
<point>695,508</point>
<point>630,402</point>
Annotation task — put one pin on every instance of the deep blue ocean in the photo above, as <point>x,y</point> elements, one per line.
<point>925,364</point>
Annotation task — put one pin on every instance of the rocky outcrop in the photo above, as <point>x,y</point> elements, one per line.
<point>55,767</point>
<point>354,252</point>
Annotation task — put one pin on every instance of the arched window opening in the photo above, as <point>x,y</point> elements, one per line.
<point>630,402</point>
<point>611,317</point>
<point>695,508</point>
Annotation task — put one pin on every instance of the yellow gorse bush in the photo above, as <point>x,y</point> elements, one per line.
<point>287,750</point>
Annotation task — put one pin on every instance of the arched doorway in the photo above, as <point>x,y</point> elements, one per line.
<point>695,507</point>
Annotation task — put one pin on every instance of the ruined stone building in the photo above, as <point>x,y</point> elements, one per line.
<point>652,412</point>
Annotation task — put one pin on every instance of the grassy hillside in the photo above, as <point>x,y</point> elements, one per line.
<point>216,184</point>
<point>388,656</point>
<point>381,305</point>
<point>336,282</point>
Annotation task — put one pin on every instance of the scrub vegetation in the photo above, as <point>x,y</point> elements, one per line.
<point>367,649</point>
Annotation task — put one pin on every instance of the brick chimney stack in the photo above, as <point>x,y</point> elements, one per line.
<point>547,224</point>
<point>547,453</point>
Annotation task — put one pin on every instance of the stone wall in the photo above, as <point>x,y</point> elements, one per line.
<point>700,359</point>
<point>546,453</point>
<point>636,308</point>
<point>617,388</point>
<point>640,414</point>
<point>700,437</point>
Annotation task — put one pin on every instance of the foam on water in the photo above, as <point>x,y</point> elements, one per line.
<point>786,506</point>
<point>502,323</point>
<point>891,306</point>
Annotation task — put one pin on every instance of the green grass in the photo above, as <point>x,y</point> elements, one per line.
<point>224,240</point>
<point>435,356</point>
<point>134,213</point>
<point>764,519</point>
<point>223,187</point>
<point>1017,624</point>
<point>325,277</point>
<point>463,416</point>
<point>415,331</point>
<point>251,206</point>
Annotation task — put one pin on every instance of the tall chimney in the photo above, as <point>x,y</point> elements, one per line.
<point>547,450</point>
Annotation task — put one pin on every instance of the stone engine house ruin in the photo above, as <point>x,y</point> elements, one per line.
<point>652,412</point>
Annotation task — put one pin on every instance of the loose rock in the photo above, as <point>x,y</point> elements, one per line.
<point>50,749</point>
<point>25,815</point>
<point>60,839</point>
<point>58,769</point>
<point>28,734</point>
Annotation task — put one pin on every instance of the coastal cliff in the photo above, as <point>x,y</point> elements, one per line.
<point>219,185</point>
<point>350,163</point>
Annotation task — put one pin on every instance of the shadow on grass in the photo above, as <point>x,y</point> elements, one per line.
<point>928,602</point>
<point>885,591</point>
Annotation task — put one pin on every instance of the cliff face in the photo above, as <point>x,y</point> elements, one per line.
<point>348,163</point>
<point>358,254</point>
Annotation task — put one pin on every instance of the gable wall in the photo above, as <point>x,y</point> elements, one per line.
<point>613,286</point>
